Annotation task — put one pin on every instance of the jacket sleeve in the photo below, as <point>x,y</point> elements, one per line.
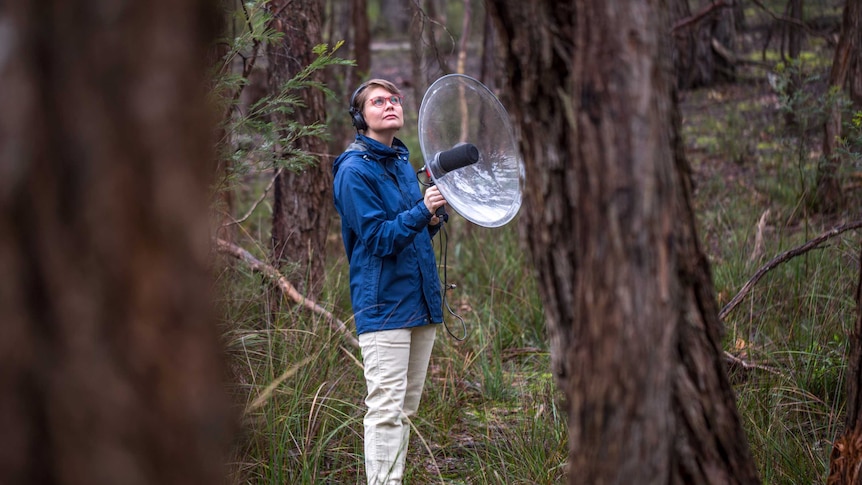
<point>433,230</point>
<point>364,211</point>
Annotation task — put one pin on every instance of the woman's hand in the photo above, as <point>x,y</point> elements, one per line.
<point>434,200</point>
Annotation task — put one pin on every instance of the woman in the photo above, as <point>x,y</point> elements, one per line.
<point>387,225</point>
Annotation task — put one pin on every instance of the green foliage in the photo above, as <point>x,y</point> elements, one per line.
<point>805,102</point>
<point>260,134</point>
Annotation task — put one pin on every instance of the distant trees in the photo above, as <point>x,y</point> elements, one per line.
<point>110,370</point>
<point>631,311</point>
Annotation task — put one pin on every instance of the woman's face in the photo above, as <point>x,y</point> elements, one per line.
<point>381,114</point>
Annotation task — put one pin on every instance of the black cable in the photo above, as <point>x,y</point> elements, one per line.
<point>444,250</point>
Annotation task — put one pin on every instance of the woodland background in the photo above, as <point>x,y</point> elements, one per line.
<point>117,207</point>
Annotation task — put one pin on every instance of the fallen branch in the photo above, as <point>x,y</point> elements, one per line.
<point>732,59</point>
<point>745,365</point>
<point>288,289</point>
<point>784,257</point>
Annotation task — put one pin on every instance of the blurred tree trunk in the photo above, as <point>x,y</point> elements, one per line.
<point>489,68</point>
<point>630,308</point>
<point>302,200</point>
<point>791,31</point>
<point>425,47</point>
<point>110,370</point>
<point>845,461</point>
<point>704,43</point>
<point>225,198</point>
<point>394,19</point>
<point>338,21</point>
<point>846,71</point>
<point>464,42</point>
<point>418,24</point>
<point>361,42</point>
<point>440,19</point>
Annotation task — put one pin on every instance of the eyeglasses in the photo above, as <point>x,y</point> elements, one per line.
<point>380,101</point>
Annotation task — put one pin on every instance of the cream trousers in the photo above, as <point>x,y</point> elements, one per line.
<point>395,362</point>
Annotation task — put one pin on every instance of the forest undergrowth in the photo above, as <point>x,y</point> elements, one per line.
<point>754,151</point>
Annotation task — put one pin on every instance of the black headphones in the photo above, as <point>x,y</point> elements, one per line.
<point>355,114</point>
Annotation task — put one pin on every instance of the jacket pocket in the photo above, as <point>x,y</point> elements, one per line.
<point>369,301</point>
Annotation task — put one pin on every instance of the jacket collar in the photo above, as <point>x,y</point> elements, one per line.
<point>380,151</point>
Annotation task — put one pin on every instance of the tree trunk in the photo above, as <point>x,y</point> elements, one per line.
<point>434,19</point>
<point>845,461</point>
<point>489,71</point>
<point>791,38</point>
<point>361,41</point>
<point>110,370</point>
<point>627,292</point>
<point>225,198</point>
<point>302,200</point>
<point>846,71</point>
<point>418,25</point>
<point>464,41</point>
<point>702,42</point>
<point>394,19</point>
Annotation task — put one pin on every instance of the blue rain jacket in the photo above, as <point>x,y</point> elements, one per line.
<point>384,224</point>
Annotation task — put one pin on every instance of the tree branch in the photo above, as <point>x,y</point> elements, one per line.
<point>787,20</point>
<point>257,202</point>
<point>782,258</point>
<point>288,289</point>
<point>699,15</point>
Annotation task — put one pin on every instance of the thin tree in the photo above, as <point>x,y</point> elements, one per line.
<point>427,59</point>
<point>791,31</point>
<point>629,303</point>
<point>845,76</point>
<point>110,370</point>
<point>845,461</point>
<point>361,42</point>
<point>418,70</point>
<point>489,72</point>
<point>302,205</point>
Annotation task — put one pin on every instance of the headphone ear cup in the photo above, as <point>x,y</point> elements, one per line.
<point>356,115</point>
<point>357,119</point>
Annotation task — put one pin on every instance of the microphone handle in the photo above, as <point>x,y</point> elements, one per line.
<point>441,214</point>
